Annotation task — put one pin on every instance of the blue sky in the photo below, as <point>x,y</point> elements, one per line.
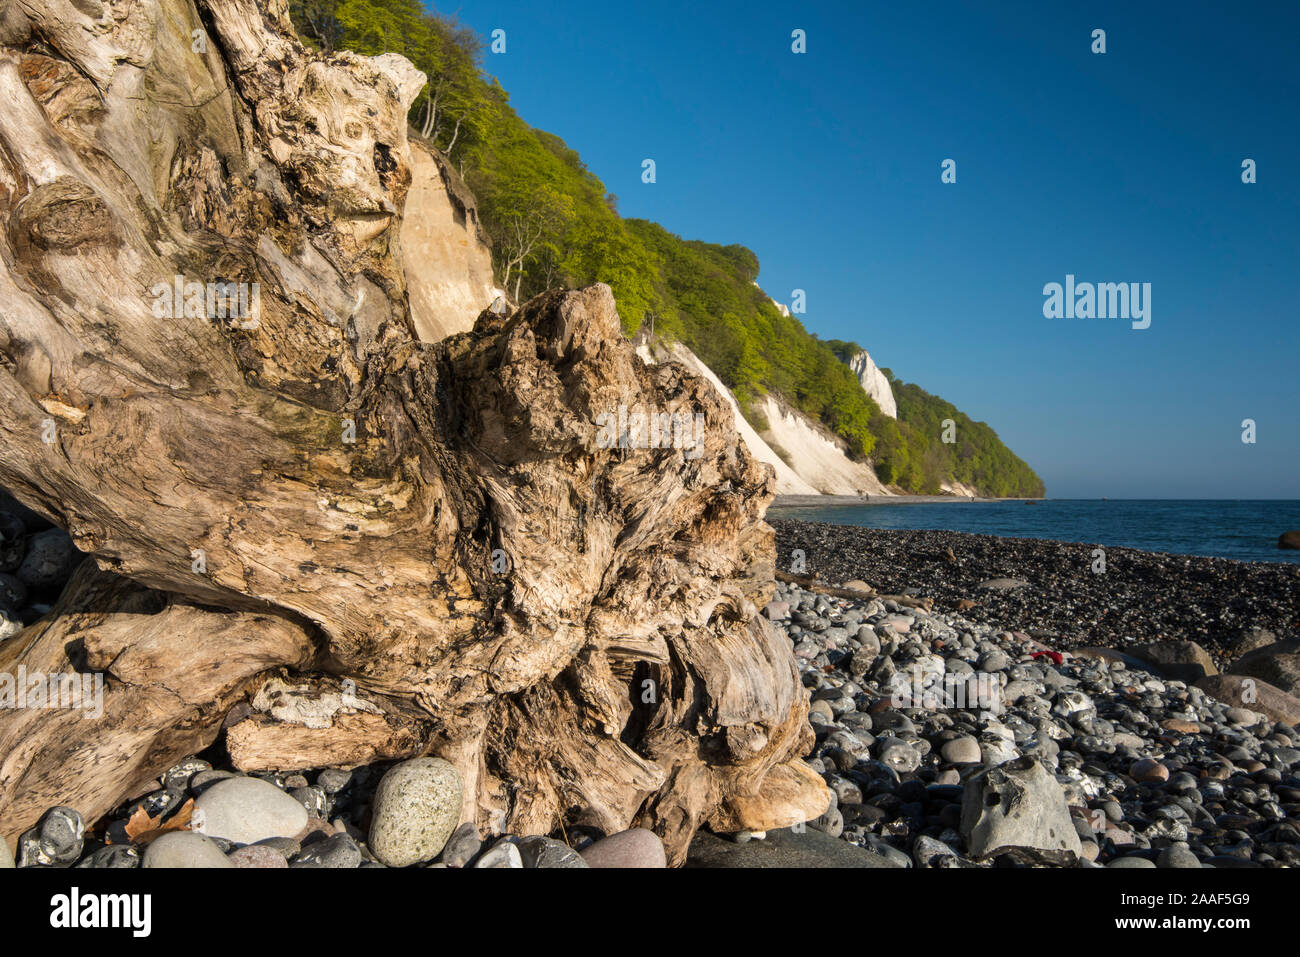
<point>1121,167</point>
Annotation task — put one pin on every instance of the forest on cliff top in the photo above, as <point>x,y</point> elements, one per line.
<point>553,223</point>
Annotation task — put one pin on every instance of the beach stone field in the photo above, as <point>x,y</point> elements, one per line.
<point>950,732</point>
<point>949,742</point>
<point>399,814</point>
<point>1049,590</point>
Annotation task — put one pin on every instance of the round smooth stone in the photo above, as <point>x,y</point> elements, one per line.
<point>179,776</point>
<point>247,810</point>
<point>547,852</point>
<point>416,808</point>
<point>203,780</point>
<point>257,856</point>
<point>1148,771</point>
<point>62,834</point>
<point>313,799</point>
<point>112,856</point>
<point>1130,862</point>
<point>899,755</point>
<point>286,847</point>
<point>185,849</point>
<point>339,851</point>
<point>963,750</point>
<point>333,780</point>
<point>49,559</point>
<point>636,847</point>
<point>1177,856</point>
<point>56,840</point>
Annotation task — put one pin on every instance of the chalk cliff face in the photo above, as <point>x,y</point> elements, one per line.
<point>817,458</point>
<point>874,383</point>
<point>788,481</point>
<point>448,261</point>
<point>781,307</point>
<point>807,460</point>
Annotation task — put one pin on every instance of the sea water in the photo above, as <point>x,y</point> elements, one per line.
<point>1244,530</point>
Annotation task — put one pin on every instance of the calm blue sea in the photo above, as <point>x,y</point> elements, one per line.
<point>1245,530</point>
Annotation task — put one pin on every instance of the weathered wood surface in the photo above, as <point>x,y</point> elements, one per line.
<point>171,669</point>
<point>614,671</point>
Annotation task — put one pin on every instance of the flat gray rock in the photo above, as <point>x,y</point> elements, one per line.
<point>1018,806</point>
<point>339,851</point>
<point>462,846</point>
<point>782,848</point>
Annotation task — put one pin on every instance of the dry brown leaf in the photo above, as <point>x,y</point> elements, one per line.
<point>142,828</point>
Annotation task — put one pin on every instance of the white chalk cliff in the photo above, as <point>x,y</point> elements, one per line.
<point>814,462</point>
<point>788,482</point>
<point>874,383</point>
<point>447,259</point>
<point>817,457</point>
<point>781,307</point>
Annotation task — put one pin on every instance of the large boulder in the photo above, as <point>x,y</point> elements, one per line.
<point>1250,639</point>
<point>1018,807</point>
<point>1241,691</point>
<point>1289,539</point>
<point>1181,660</point>
<point>1278,664</point>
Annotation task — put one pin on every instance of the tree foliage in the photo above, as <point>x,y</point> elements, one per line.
<point>553,223</point>
<point>911,453</point>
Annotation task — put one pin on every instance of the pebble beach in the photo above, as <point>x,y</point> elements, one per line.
<point>1019,710</point>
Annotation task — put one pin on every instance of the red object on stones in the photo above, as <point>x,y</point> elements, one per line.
<point>1054,655</point>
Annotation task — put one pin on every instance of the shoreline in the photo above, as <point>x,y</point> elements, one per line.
<point>840,501</point>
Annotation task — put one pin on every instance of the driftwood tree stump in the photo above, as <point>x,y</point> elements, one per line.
<point>425,547</point>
